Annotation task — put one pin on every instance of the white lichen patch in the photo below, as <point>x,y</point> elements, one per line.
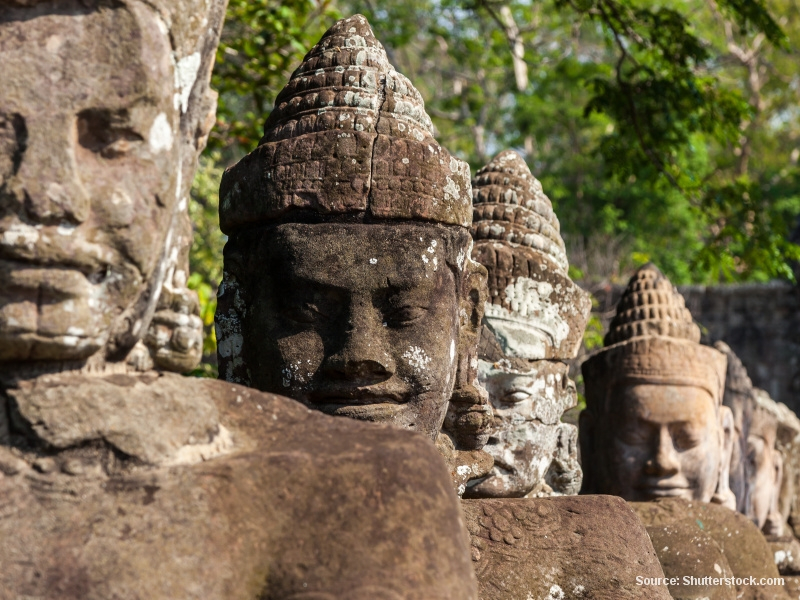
<point>451,189</point>
<point>185,75</point>
<point>460,259</point>
<point>189,454</point>
<point>416,357</point>
<point>20,234</point>
<point>160,136</point>
<point>534,326</point>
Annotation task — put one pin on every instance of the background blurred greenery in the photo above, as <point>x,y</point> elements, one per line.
<point>661,131</point>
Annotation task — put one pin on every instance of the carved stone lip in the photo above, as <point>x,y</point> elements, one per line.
<point>64,251</point>
<point>59,279</point>
<point>502,468</point>
<point>356,396</point>
<point>663,490</point>
<point>51,282</point>
<point>378,411</point>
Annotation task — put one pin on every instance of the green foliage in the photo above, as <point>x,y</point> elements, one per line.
<point>661,131</point>
<point>261,44</point>
<point>205,258</point>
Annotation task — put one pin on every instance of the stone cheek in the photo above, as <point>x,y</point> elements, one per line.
<point>527,433</point>
<point>560,548</point>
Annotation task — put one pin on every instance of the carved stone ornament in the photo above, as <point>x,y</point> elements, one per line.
<point>535,311</point>
<point>118,480</point>
<point>348,280</point>
<point>654,424</point>
<point>535,316</point>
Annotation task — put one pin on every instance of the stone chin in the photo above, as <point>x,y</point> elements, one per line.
<point>507,480</point>
<point>647,494</point>
<point>54,313</point>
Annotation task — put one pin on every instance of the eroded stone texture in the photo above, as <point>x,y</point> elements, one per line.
<point>191,488</point>
<point>654,425</point>
<point>97,156</point>
<point>569,548</point>
<point>348,280</point>
<point>767,465</point>
<point>739,398</point>
<point>676,523</point>
<point>788,444</point>
<point>119,481</point>
<point>349,134</point>
<point>534,320</point>
<point>535,310</point>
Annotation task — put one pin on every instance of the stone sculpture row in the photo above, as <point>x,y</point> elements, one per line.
<point>388,330</point>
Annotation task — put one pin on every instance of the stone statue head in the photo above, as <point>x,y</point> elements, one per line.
<point>654,424</point>
<point>104,109</point>
<point>348,281</point>
<point>766,463</point>
<point>534,319</point>
<point>739,398</point>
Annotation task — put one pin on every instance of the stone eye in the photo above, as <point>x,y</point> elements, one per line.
<point>516,396</point>
<point>305,313</point>
<point>406,315</point>
<point>107,132</point>
<point>683,438</point>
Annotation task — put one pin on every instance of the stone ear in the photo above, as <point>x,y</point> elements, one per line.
<point>473,294</point>
<point>774,524</point>
<point>469,415</point>
<point>723,494</point>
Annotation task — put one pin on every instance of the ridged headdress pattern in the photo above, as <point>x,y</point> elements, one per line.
<point>652,339</point>
<point>517,238</point>
<point>510,205</point>
<point>348,134</point>
<point>651,305</point>
<point>736,379</point>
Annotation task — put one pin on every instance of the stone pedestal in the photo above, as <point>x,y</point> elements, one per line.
<point>565,548</point>
<point>675,523</point>
<point>204,489</point>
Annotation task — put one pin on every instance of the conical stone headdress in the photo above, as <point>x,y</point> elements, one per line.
<point>535,311</point>
<point>348,134</point>
<point>736,380</point>
<point>652,339</point>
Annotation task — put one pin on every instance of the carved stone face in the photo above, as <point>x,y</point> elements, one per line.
<point>88,169</point>
<point>527,409</point>
<point>766,478</point>
<point>666,440</point>
<point>357,320</point>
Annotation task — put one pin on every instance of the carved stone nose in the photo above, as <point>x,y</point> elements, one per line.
<point>665,461</point>
<point>47,178</point>
<point>363,356</point>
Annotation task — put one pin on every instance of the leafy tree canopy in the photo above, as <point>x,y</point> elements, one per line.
<point>664,131</point>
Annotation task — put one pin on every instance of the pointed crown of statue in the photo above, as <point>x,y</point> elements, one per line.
<point>652,339</point>
<point>517,238</point>
<point>736,379</point>
<point>348,135</point>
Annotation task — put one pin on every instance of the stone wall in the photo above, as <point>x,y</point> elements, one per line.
<point>760,322</point>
